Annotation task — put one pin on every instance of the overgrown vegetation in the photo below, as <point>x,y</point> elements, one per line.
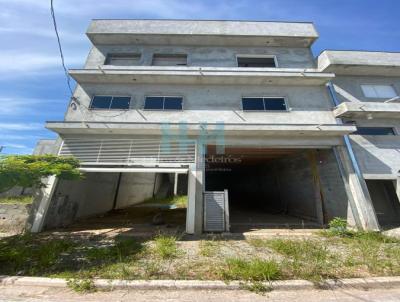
<point>29,170</point>
<point>165,247</point>
<point>251,270</point>
<point>254,262</point>
<point>16,200</point>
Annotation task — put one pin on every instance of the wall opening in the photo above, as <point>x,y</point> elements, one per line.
<point>385,201</point>
<point>268,188</point>
<point>120,200</point>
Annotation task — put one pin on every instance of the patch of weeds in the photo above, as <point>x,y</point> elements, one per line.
<point>165,247</point>
<point>30,255</point>
<point>306,259</point>
<point>82,285</point>
<point>257,287</point>
<point>17,200</point>
<point>251,270</point>
<point>208,248</point>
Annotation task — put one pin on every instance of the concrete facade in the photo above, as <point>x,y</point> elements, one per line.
<point>377,155</point>
<point>212,86</point>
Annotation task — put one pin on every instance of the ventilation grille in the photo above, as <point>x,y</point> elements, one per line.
<point>214,211</point>
<point>140,152</point>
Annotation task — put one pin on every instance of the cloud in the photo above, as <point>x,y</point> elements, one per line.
<point>21,126</point>
<point>15,106</point>
<point>26,62</point>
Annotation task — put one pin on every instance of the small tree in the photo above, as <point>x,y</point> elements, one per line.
<point>29,170</point>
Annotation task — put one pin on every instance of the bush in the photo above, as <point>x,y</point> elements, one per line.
<point>338,226</point>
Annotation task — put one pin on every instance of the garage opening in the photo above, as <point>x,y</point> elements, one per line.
<point>140,203</point>
<point>385,201</point>
<point>277,188</point>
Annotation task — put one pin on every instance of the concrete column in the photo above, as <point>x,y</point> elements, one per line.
<point>360,199</point>
<point>45,196</point>
<point>176,184</point>
<point>194,214</point>
<point>397,186</point>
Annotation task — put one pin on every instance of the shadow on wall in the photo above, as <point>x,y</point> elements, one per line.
<point>97,194</point>
<point>377,154</point>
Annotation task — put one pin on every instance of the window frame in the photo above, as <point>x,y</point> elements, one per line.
<point>163,96</point>
<point>376,84</point>
<point>256,56</point>
<point>112,97</point>
<point>171,55</point>
<point>285,99</point>
<point>109,55</point>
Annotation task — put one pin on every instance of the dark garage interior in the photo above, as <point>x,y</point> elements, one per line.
<point>275,188</point>
<point>386,202</point>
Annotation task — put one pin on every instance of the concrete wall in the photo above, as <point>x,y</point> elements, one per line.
<point>377,155</point>
<point>95,195</point>
<point>135,188</point>
<point>307,105</point>
<point>205,56</point>
<point>335,199</point>
<point>45,146</point>
<point>296,185</point>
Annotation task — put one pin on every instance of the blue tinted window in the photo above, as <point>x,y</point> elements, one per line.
<point>250,104</point>
<point>374,131</point>
<point>101,102</point>
<point>120,102</point>
<point>275,104</point>
<point>152,102</point>
<point>173,103</point>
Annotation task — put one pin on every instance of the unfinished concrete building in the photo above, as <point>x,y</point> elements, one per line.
<point>367,86</point>
<point>237,115</point>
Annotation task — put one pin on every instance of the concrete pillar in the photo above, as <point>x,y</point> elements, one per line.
<point>397,187</point>
<point>360,199</point>
<point>194,214</point>
<point>176,184</point>
<point>45,196</point>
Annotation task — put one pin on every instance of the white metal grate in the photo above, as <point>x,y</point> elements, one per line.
<point>216,211</point>
<point>129,151</point>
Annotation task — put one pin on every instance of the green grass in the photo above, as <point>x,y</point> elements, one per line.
<point>178,201</point>
<point>23,254</point>
<point>16,200</point>
<point>253,262</point>
<point>165,247</point>
<point>306,259</point>
<point>251,270</point>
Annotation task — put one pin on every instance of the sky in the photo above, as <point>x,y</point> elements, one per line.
<point>32,82</point>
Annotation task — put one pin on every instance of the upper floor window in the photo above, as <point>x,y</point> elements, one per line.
<point>163,103</point>
<point>379,91</point>
<point>123,59</point>
<point>110,102</point>
<point>169,59</point>
<point>374,131</point>
<point>256,61</point>
<point>264,104</point>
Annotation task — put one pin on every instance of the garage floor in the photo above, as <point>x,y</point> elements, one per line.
<point>134,221</point>
<point>255,220</point>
